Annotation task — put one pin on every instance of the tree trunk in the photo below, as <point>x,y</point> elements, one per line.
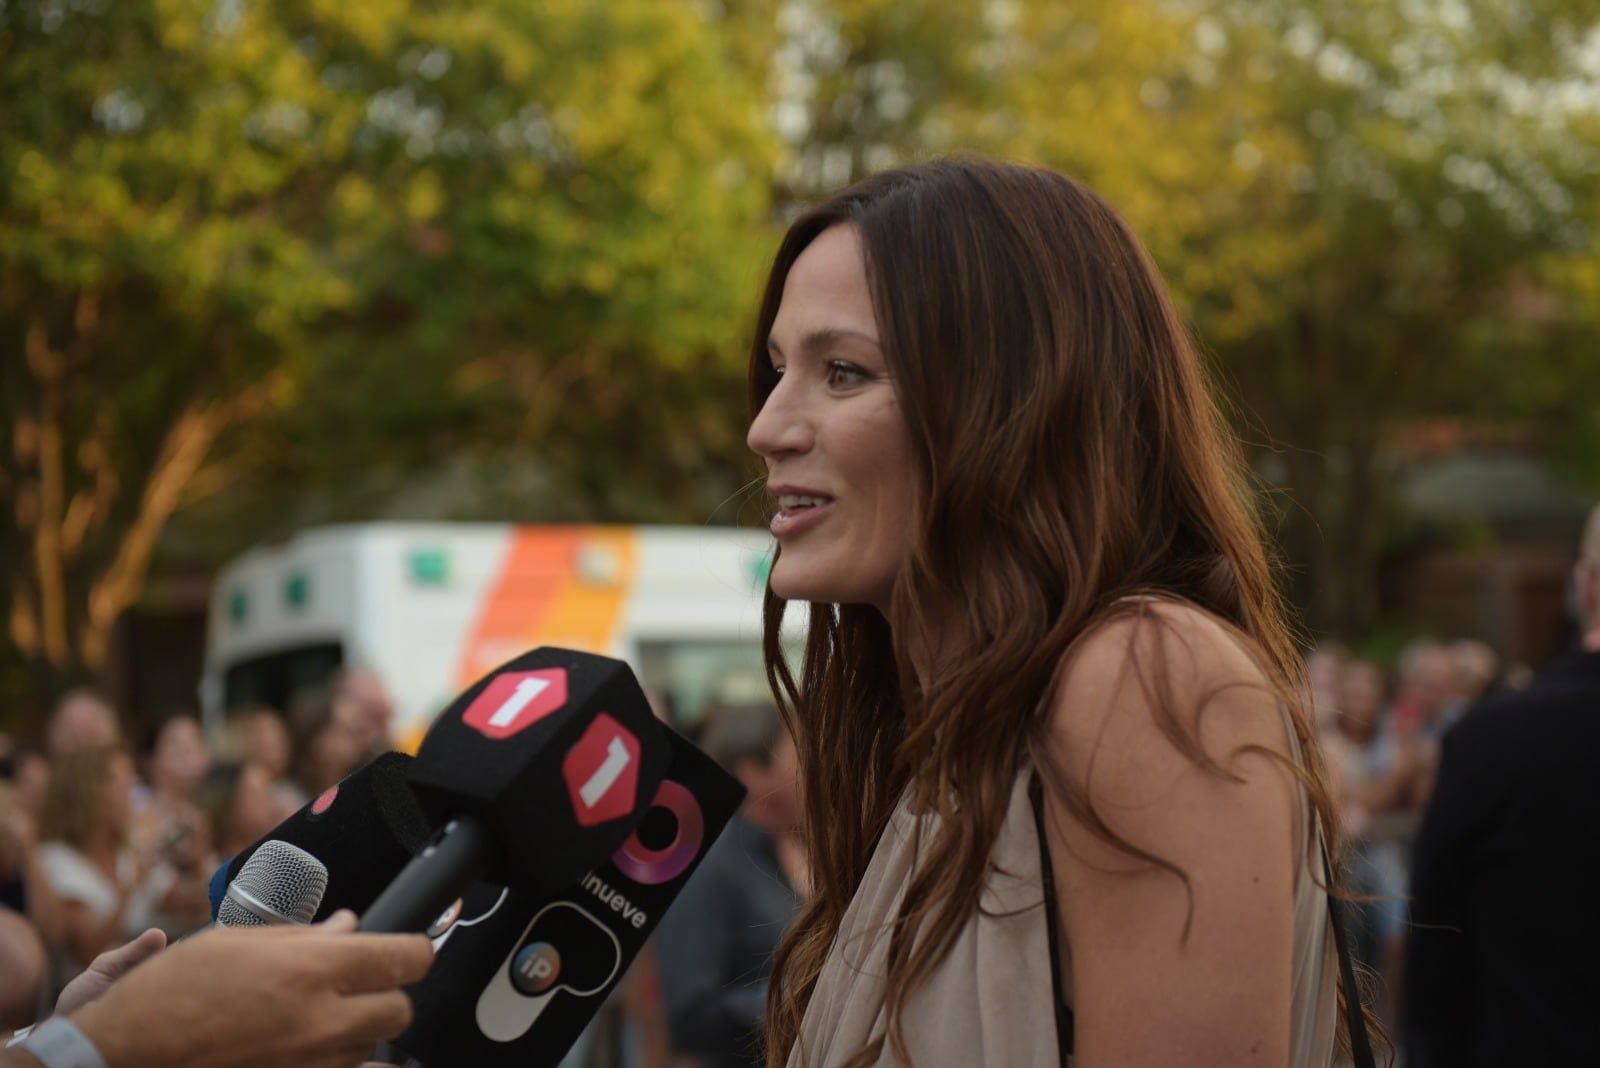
<point>81,550</point>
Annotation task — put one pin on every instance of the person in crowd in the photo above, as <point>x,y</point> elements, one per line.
<point>259,735</point>
<point>1427,685</point>
<point>1361,763</point>
<point>313,997</point>
<point>239,804</point>
<point>24,887</point>
<point>715,947</point>
<point>24,970</point>
<point>1401,764</point>
<point>165,817</point>
<point>81,719</point>
<point>1503,938</point>
<point>372,709</point>
<point>1362,691</point>
<point>28,774</point>
<point>329,739</point>
<point>1477,671</point>
<point>1324,663</point>
<point>87,858</point>
<point>1049,698</point>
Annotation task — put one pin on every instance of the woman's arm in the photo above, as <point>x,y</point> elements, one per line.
<point>1163,975</point>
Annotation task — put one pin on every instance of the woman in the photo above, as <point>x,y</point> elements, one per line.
<point>106,896</point>
<point>1039,600</point>
<point>328,740</point>
<point>259,735</point>
<point>240,805</point>
<point>165,818</point>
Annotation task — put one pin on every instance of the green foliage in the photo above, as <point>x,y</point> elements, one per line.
<point>245,241</point>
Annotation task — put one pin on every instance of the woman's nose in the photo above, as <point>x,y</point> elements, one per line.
<point>781,426</point>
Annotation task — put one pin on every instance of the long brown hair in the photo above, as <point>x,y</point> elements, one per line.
<point>73,812</point>
<point>1069,456</point>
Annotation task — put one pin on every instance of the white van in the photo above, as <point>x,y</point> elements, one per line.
<point>431,607</point>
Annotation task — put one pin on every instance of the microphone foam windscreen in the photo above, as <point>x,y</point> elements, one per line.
<point>281,883</point>
<point>364,830</point>
<point>556,753</point>
<point>519,975</point>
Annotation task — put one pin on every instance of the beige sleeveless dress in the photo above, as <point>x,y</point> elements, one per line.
<point>991,1001</point>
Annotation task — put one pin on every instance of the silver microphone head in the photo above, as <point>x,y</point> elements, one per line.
<point>280,883</point>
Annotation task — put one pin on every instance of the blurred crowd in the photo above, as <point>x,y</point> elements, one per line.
<point>103,836</point>
<point>1380,732</point>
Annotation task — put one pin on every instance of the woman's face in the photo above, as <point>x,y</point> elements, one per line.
<point>266,742</point>
<point>180,759</point>
<point>254,811</point>
<point>338,748</point>
<point>838,455</point>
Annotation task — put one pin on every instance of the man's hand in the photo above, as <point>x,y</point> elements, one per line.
<point>107,968</point>
<point>314,997</point>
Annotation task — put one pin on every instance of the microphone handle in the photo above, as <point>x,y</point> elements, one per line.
<point>442,872</point>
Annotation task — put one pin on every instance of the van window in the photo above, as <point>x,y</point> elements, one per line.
<point>274,679</point>
<point>694,676</point>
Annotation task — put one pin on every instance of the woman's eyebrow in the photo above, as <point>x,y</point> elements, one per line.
<point>819,340</point>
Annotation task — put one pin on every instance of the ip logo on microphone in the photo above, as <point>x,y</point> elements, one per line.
<point>536,968</point>
<point>563,950</point>
<point>517,700</point>
<point>602,772</point>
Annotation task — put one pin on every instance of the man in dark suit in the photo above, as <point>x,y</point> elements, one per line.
<point>1504,947</point>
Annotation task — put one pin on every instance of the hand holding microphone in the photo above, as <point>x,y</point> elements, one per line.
<point>239,995</point>
<point>318,997</point>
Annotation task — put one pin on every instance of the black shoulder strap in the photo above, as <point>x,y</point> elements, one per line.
<point>1064,1022</point>
<point>1360,1041</point>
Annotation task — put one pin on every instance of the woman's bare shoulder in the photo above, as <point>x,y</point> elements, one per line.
<point>1136,689</point>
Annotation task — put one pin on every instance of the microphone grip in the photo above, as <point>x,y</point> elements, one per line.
<point>445,869</point>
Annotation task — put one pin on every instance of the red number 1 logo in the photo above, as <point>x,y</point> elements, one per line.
<point>517,700</point>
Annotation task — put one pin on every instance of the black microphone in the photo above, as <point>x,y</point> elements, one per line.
<point>535,775</point>
<point>364,831</point>
<point>518,976</point>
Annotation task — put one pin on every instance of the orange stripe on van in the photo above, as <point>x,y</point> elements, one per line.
<point>558,586</point>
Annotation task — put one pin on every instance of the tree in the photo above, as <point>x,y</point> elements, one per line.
<point>212,205</point>
<point>1372,213</point>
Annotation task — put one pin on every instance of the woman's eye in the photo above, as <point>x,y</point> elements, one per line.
<point>842,373</point>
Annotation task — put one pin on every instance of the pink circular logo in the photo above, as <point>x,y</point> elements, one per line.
<point>655,866</point>
<point>325,802</point>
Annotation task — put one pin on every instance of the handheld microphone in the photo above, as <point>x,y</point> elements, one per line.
<point>364,831</point>
<point>536,774</point>
<point>518,976</point>
<point>280,883</point>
